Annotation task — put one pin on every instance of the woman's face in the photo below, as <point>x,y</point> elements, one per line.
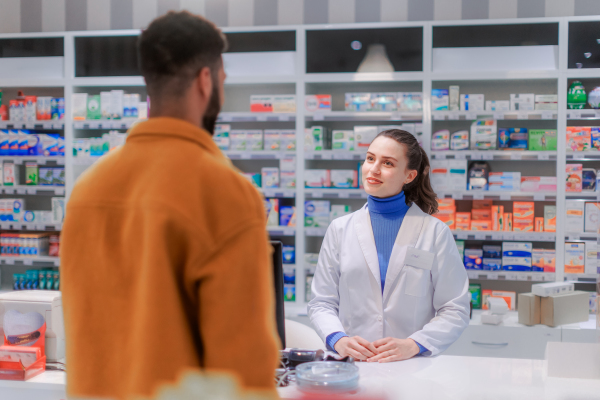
<point>385,169</point>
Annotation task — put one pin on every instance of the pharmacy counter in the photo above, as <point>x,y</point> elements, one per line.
<point>49,385</point>
<point>464,378</point>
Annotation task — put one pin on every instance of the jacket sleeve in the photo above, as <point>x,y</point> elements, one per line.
<point>323,309</point>
<point>236,309</point>
<point>450,298</point>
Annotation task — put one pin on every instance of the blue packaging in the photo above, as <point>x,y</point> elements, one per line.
<point>492,264</point>
<point>57,107</point>
<point>513,138</point>
<point>287,216</point>
<point>61,146</point>
<point>595,138</point>
<point>473,258</point>
<point>34,145</point>
<point>588,183</point>
<point>517,249</point>
<point>516,263</point>
<point>492,251</point>
<point>23,142</point>
<point>289,255</point>
<point>503,138</point>
<point>13,143</point>
<point>53,149</point>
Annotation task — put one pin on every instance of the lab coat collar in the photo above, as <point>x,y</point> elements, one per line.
<point>407,236</point>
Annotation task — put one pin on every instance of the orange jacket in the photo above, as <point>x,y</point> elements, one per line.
<point>165,266</point>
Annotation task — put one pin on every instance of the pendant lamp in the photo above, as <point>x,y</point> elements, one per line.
<point>376,60</point>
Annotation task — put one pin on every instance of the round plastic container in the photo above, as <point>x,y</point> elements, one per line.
<point>327,377</point>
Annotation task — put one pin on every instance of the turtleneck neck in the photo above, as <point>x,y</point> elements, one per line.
<point>388,205</point>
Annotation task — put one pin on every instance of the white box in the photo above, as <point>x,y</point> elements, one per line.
<point>592,217</point>
<point>287,140</point>
<point>284,103</point>
<point>497,105</point>
<point>574,258</point>
<point>58,210</point>
<point>517,249</point>
<point>591,257</point>
<point>342,140</point>
<point>453,98</point>
<point>272,140</point>
<point>344,178</point>
<point>79,105</point>
<point>552,288</point>
<point>358,102</point>
<point>288,163</point>
<point>457,174</point>
<point>574,219</point>
<point>472,102</point>
<point>491,319</point>
<point>440,140</point>
<point>364,135</point>
<point>546,98</point>
<point>484,135</point>
<point>317,178</point>
<point>522,101</point>
<point>409,101</point>
<point>384,102</point>
<point>546,106</point>
<point>287,180</point>
<point>116,99</point>
<point>439,175</point>
<point>238,140</point>
<point>106,105</point>
<point>270,177</point>
<point>254,140</point>
<point>439,100</point>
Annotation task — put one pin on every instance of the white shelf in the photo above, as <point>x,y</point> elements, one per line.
<point>583,155</point>
<point>124,123</point>
<point>364,116</point>
<point>503,235</point>
<point>509,155</point>
<point>29,261</point>
<point>279,193</point>
<point>29,226</point>
<point>355,77</point>
<point>255,117</point>
<point>497,195</point>
<point>281,230</point>
<point>581,236</point>
<point>336,193</point>
<point>258,155</point>
<point>335,155</point>
<point>511,276</point>
<point>582,277</point>
<point>318,232</point>
<point>583,195</point>
<point>497,115</point>
<point>48,125</point>
<point>583,114</point>
<point>32,190</point>
<point>85,161</point>
<point>40,160</point>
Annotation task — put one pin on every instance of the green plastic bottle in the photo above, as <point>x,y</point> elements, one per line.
<point>576,96</point>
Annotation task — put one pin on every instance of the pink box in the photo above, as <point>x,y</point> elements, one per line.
<point>574,177</point>
<point>538,183</point>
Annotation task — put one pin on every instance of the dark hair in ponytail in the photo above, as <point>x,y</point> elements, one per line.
<point>418,191</point>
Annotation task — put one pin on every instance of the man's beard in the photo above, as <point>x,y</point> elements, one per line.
<point>212,110</point>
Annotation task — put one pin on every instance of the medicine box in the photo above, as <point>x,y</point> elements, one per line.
<point>522,102</point>
<point>409,101</point>
<point>592,217</point>
<point>481,214</point>
<point>459,140</point>
<point>317,103</point>
<point>342,140</point>
<point>575,216</point>
<point>317,178</point>
<point>481,225</point>
<point>574,258</point>
<point>497,105</point>
<point>270,178</point>
<point>484,135</point>
<point>453,98</point>
<point>595,138</point>
<point>549,260</point>
<point>472,102</point>
<point>254,140</point>
<point>513,138</point>
<point>492,264</point>
<point>285,103</point>
<point>574,177</point>
<point>463,221</point>
<point>537,260</point>
<point>272,139</point>
<point>439,174</point>
<point>549,218</point>
<point>539,224</point>
<point>523,209</point>
<point>516,249</point>
<point>566,308</point>
<point>538,183</point>
<point>516,263</point>
<point>287,140</point>
<point>317,138</point>
<point>508,181</point>
<point>579,138</point>
<point>344,178</point>
<point>460,245</point>
<point>287,216</point>
<point>272,209</point>
<point>492,251</point>
<point>287,163</point>
<point>588,180</point>
<point>591,257</point>
<point>316,213</point>
<point>542,140</point>
<point>439,100</point>
<point>497,218</point>
<point>440,140</point>
<point>287,180</point>
<point>238,140</point>
<point>364,135</point>
<point>358,102</point>
<point>509,297</point>
<point>473,258</point>
<point>383,102</point>
<point>261,103</point>
<point>457,174</point>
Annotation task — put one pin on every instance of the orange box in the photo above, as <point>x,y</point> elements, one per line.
<point>523,209</point>
<point>497,218</point>
<point>447,218</point>
<point>539,224</point>
<point>485,225</point>
<point>509,297</point>
<point>481,214</point>
<point>446,203</point>
<point>508,222</point>
<point>463,221</point>
<point>482,204</point>
<point>522,227</point>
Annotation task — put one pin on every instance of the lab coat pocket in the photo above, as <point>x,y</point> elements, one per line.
<point>417,269</point>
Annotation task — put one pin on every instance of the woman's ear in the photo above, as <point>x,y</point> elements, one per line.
<point>412,174</point>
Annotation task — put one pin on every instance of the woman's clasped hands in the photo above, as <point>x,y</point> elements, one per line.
<point>383,350</point>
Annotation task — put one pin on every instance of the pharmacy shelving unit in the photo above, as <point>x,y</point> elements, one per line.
<point>60,73</point>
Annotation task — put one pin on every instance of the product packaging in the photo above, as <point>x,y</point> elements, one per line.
<point>549,218</point>
<point>342,140</point>
<point>463,221</point>
<point>475,290</point>
<point>272,210</point>
<point>316,213</point>
<point>254,140</point>
<point>539,224</point>
<point>567,308</point>
<point>344,178</point>
<point>317,103</point>
<point>453,98</point>
<point>473,258</point>
<point>579,138</point>
<point>497,218</point>
<point>574,258</point>
<point>317,178</point>
<point>358,102</point>
<point>591,258</point>
<point>287,216</point>
<point>289,254</point>
<point>478,176</point>
<point>484,135</point>
<point>10,174</point>
<point>383,102</point>
<point>588,180</point>
<point>288,139</point>
<point>440,140</point>
<point>459,140</point>
<point>513,138</point>
<point>592,217</point>
<point>574,219</point>
<point>522,102</point>
<point>409,101</point>
<point>472,102</point>
<point>238,140</point>
<point>497,105</point>
<point>538,183</point>
<point>574,177</point>
<point>272,139</point>
<point>529,309</point>
<point>270,178</point>
<point>364,135</point>
<point>221,136</point>
<point>255,179</point>
<point>504,181</point>
<point>439,100</point>
<point>542,139</point>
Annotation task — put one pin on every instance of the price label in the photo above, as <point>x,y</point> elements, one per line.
<point>498,116</point>
<point>493,276</point>
<point>439,156</point>
<point>60,161</point>
<point>459,156</point>
<point>261,118</point>
<point>543,156</point>
<point>21,191</point>
<point>317,194</point>
<point>40,228</point>
<point>471,115</point>
<point>4,226</point>
<point>578,156</point>
<point>284,118</point>
<point>476,155</point>
<point>509,236</point>
<point>478,196</point>
<point>18,161</point>
<point>487,156</point>
<point>344,195</point>
<point>574,237</point>
<point>29,126</point>
<point>505,196</point>
<point>549,277</point>
<point>547,115</point>
<point>28,261</point>
<point>539,197</point>
<point>453,116</point>
<point>496,236</point>
<point>59,191</point>
<point>522,277</point>
<point>396,116</point>
<point>482,276</point>
<point>78,125</point>
<point>462,236</point>
<point>479,236</point>
<point>438,116</point>
<point>515,156</point>
<point>511,276</point>
<point>340,156</point>
<point>9,261</point>
<point>318,117</point>
<point>94,125</point>
<point>47,125</point>
<point>9,191</point>
<point>457,196</point>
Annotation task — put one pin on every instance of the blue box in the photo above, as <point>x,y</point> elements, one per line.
<point>289,256</point>
<point>492,264</point>
<point>473,258</point>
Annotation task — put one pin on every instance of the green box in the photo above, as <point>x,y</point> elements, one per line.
<point>94,111</point>
<point>31,173</point>
<point>475,290</point>
<point>542,140</point>
<point>460,245</point>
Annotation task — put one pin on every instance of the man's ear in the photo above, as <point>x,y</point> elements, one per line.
<point>204,82</point>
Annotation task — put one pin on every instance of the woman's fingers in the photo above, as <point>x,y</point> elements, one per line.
<point>391,359</point>
<point>381,342</point>
<point>366,344</point>
<point>386,347</point>
<point>361,349</point>
<point>355,354</point>
<point>378,357</point>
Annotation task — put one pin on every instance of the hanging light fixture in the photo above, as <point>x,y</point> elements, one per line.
<point>376,60</point>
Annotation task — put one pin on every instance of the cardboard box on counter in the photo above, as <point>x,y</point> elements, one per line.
<point>567,308</point>
<point>530,309</point>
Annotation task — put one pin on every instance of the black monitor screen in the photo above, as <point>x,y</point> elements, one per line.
<point>278,279</point>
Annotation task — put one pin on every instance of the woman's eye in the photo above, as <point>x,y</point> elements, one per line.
<point>389,163</point>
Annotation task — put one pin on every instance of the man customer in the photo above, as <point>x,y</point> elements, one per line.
<point>165,261</point>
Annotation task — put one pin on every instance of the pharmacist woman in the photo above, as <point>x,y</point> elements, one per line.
<point>390,283</point>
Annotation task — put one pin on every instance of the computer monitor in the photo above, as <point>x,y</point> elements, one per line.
<point>278,280</point>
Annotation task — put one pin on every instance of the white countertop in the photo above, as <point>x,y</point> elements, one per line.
<point>464,378</point>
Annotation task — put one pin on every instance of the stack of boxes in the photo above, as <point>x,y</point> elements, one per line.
<point>318,138</point>
<point>319,213</point>
<point>283,177</point>
<point>254,139</point>
<point>390,101</point>
<point>581,179</point>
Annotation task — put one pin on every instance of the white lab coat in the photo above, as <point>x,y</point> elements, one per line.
<point>426,286</point>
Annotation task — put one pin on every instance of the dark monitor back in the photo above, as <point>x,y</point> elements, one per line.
<point>278,280</point>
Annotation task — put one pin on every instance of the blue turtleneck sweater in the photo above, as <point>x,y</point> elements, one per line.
<point>386,215</point>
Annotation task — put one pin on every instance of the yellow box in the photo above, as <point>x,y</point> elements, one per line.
<point>523,209</point>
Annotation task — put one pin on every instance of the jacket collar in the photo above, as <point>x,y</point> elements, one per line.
<point>168,128</point>
<point>409,233</point>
